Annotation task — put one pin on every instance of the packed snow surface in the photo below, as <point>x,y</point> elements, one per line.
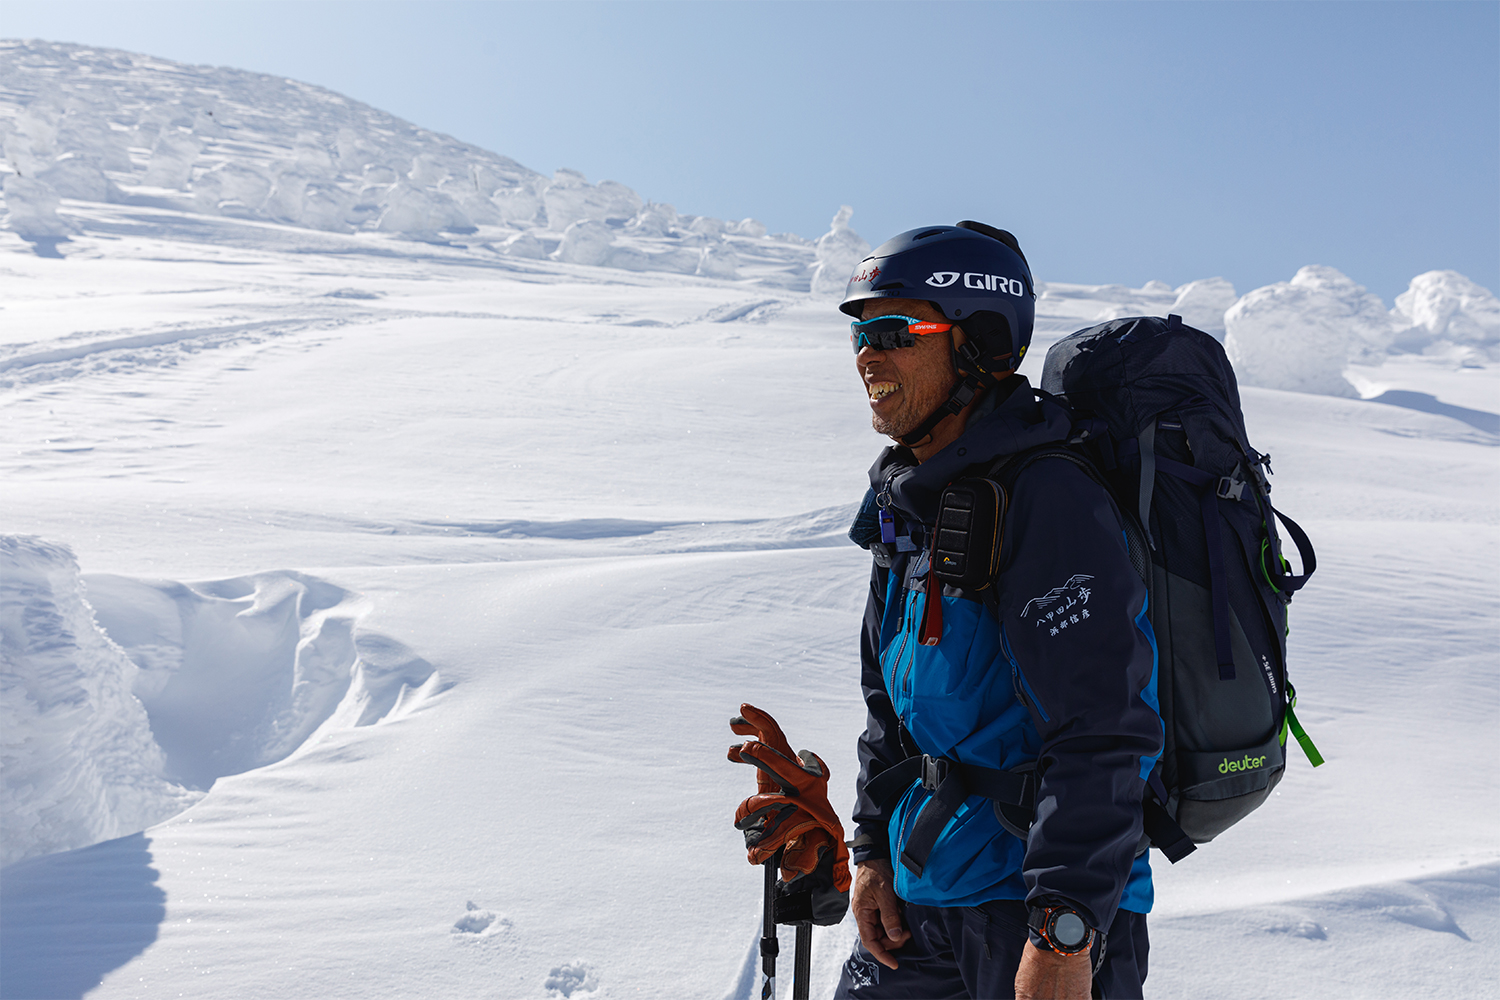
<point>419,579</point>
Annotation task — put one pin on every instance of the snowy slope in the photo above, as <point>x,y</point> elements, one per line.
<point>603,512</point>
<point>441,569</point>
<point>104,126</point>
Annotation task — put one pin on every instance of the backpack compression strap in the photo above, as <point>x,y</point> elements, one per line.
<point>1210,489</point>
<point>1157,822</point>
<point>1147,445</point>
<point>1166,836</point>
<point>1286,582</point>
<point>1209,492</point>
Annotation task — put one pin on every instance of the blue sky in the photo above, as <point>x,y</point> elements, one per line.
<point>1120,141</point>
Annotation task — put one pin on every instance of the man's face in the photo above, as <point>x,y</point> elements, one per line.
<point>905,384</point>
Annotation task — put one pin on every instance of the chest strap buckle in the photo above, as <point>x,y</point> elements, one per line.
<point>934,771</point>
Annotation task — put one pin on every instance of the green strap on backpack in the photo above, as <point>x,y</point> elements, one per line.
<point>1296,727</point>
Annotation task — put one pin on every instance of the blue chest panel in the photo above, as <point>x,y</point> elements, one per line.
<point>957,699</point>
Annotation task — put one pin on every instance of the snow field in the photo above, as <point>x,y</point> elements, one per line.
<point>433,516</point>
<point>1349,943</point>
<point>603,509</point>
<point>580,775</point>
<point>519,502</point>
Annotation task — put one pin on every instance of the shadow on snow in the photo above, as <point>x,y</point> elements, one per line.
<point>68,920</point>
<point>1427,403</point>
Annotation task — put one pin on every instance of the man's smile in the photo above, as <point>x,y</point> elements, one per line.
<point>880,390</point>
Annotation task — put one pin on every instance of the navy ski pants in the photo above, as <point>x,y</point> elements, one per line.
<point>972,953</point>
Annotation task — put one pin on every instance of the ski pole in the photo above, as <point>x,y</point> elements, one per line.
<point>768,943</point>
<point>802,967</point>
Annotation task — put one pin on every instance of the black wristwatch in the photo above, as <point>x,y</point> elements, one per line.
<point>1062,928</point>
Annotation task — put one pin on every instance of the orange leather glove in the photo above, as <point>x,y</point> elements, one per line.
<point>790,808</point>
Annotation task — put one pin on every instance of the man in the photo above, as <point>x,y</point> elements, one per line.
<point>1015,721</point>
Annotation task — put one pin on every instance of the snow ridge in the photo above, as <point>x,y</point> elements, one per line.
<point>119,709</point>
<point>104,126</point>
<point>79,762</point>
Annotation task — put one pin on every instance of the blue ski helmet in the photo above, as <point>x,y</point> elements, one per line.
<point>974,274</point>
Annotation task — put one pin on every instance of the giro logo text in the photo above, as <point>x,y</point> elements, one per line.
<point>979,282</point>
<point>1227,766</point>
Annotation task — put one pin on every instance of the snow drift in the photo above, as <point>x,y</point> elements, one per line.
<point>237,674</point>
<point>119,709</point>
<point>76,751</point>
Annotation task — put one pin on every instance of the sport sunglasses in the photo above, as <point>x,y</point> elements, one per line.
<point>885,333</point>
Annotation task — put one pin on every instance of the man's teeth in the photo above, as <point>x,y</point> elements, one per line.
<point>880,390</point>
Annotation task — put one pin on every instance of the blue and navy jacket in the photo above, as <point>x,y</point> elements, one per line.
<point>1062,671</point>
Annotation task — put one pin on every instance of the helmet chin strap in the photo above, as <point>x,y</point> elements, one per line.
<point>962,395</point>
<point>966,360</point>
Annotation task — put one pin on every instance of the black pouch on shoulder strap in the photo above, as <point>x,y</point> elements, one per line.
<point>966,551</point>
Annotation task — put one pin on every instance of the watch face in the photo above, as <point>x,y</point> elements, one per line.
<point>1069,930</point>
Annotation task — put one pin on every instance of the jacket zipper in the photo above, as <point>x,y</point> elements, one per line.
<point>900,651</point>
<point>1018,681</point>
<point>905,636</point>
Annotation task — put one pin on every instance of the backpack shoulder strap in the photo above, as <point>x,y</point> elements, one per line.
<point>1008,470</point>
